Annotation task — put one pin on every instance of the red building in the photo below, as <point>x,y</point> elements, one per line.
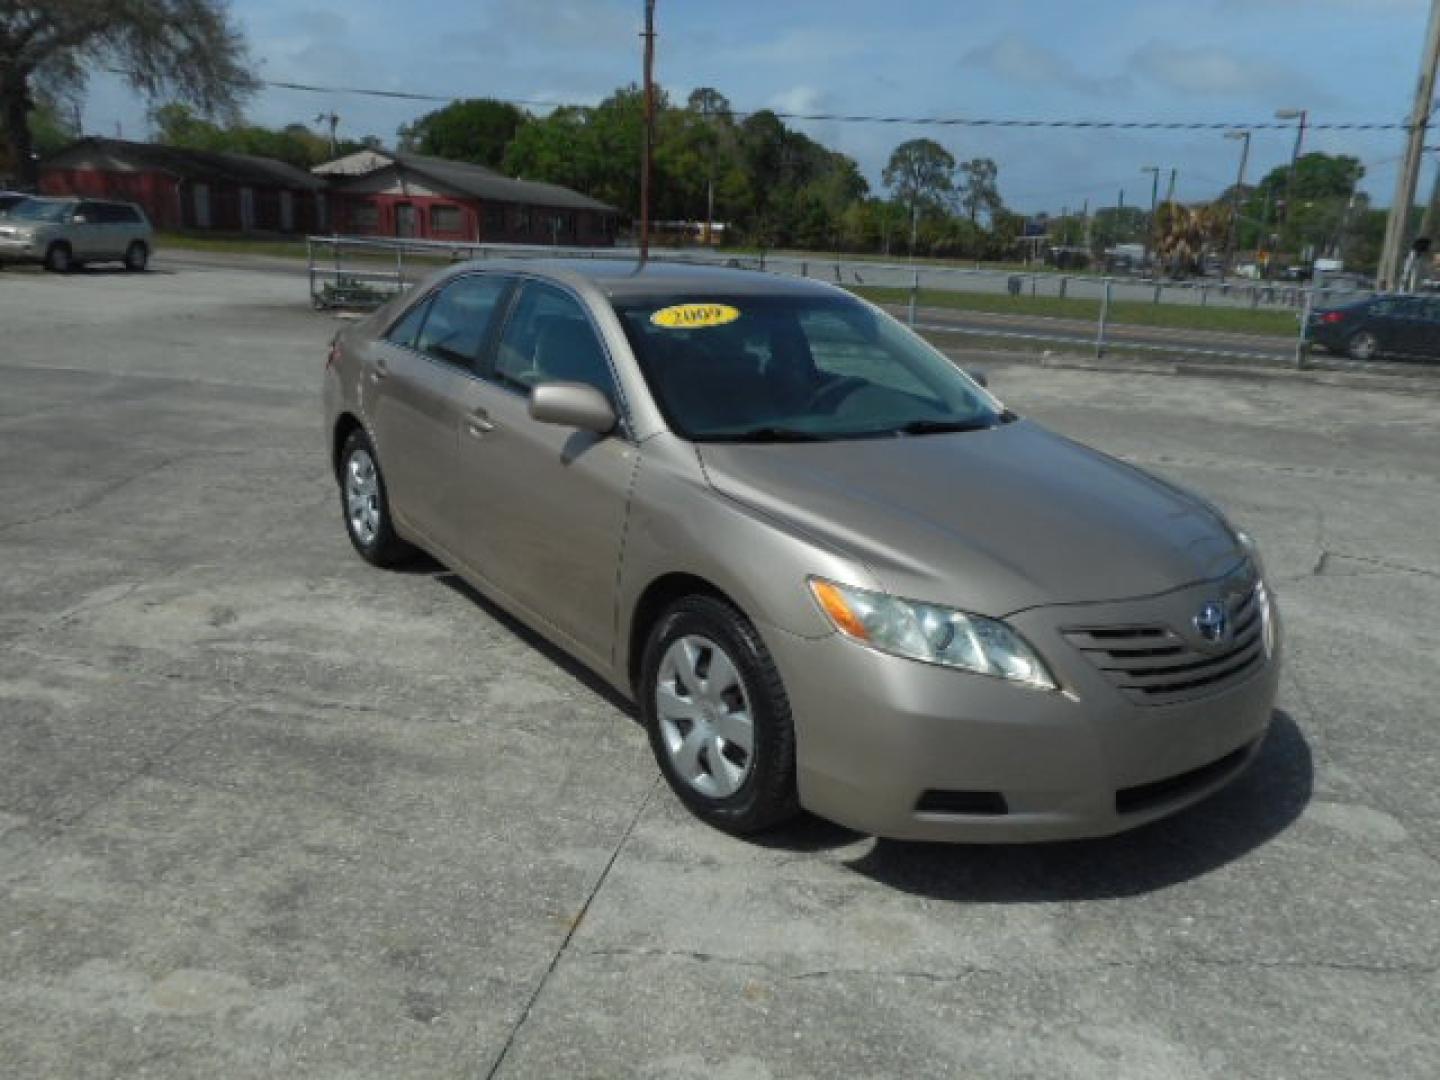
<point>191,189</point>
<point>385,193</point>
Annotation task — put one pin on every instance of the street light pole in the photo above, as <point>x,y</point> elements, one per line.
<point>1232,234</point>
<point>1302,115</point>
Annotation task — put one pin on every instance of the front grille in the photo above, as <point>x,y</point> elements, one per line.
<point>1132,800</point>
<point>1155,665</point>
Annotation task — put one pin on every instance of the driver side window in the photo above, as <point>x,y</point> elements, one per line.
<point>548,339</point>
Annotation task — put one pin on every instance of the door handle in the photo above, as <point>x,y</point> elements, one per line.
<point>379,371</point>
<point>479,423</point>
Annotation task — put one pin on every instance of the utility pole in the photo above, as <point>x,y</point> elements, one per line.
<point>332,121</point>
<point>1428,223</point>
<point>1154,171</point>
<point>1398,227</point>
<point>648,136</point>
<point>1232,234</point>
<point>1170,187</point>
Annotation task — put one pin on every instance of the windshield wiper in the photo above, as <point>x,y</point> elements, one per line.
<point>769,434</point>
<point>938,427</point>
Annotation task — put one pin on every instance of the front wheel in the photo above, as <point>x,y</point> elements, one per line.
<point>1364,346</point>
<point>366,506</point>
<point>137,257</point>
<point>718,717</point>
<point>58,259</point>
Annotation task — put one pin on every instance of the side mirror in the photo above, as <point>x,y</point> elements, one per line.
<point>571,404</point>
<point>979,375</point>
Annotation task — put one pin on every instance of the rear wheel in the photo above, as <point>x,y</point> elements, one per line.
<point>58,259</point>
<point>366,506</point>
<point>137,257</point>
<point>718,717</point>
<point>1364,346</point>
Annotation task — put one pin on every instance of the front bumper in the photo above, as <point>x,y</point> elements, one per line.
<point>14,249</point>
<point>877,734</point>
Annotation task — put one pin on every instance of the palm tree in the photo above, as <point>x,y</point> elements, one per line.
<point>1187,234</point>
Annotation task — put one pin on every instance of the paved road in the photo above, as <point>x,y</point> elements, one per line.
<point>265,811</point>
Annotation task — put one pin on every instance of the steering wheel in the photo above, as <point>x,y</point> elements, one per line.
<point>828,397</point>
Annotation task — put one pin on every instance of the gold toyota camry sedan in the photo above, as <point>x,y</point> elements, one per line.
<point>830,568</point>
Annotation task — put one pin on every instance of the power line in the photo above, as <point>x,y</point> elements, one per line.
<point>919,121</point>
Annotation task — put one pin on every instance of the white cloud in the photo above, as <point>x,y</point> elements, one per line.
<point>800,99</point>
<point>1208,71</point>
<point>1017,58</point>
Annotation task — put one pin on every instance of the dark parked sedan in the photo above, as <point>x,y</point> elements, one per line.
<point>1381,326</point>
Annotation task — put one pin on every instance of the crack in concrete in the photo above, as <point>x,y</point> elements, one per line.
<point>575,925</point>
<point>1385,564</point>
<point>96,497</point>
<point>47,830</point>
<point>971,971</point>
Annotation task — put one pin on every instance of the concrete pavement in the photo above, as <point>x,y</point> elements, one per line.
<point>265,811</point>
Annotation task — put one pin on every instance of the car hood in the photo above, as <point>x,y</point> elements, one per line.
<point>988,521</point>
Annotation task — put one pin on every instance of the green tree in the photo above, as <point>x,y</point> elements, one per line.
<point>1322,188</point>
<point>921,173</point>
<point>1118,225</point>
<point>50,129</point>
<point>979,189</point>
<point>478,130</point>
<point>187,49</point>
<point>176,124</point>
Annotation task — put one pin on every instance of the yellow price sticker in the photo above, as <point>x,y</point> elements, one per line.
<point>694,316</point>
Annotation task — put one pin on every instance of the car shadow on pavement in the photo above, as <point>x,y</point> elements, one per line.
<point>1257,807</point>
<point>557,656</point>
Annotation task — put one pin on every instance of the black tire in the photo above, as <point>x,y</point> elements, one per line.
<point>379,546</point>
<point>137,257</point>
<point>767,796</point>
<point>58,258</point>
<point>1363,346</point>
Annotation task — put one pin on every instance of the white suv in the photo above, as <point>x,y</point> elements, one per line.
<point>66,233</point>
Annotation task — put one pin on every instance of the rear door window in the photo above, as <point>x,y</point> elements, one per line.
<point>458,324</point>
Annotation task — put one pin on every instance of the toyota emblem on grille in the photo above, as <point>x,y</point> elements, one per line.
<point>1212,623</point>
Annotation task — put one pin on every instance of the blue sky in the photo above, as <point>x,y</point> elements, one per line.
<point>1182,60</point>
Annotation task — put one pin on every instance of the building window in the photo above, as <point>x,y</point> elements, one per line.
<point>494,220</point>
<point>445,219</point>
<point>522,220</point>
<point>365,217</point>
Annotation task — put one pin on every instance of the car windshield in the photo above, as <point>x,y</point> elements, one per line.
<point>40,210</point>
<point>796,369</point>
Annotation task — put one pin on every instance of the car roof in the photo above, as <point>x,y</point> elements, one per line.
<point>621,279</point>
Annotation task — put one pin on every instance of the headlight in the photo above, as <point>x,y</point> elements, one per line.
<point>933,634</point>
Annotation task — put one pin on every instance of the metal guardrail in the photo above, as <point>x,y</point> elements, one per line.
<point>355,271</point>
